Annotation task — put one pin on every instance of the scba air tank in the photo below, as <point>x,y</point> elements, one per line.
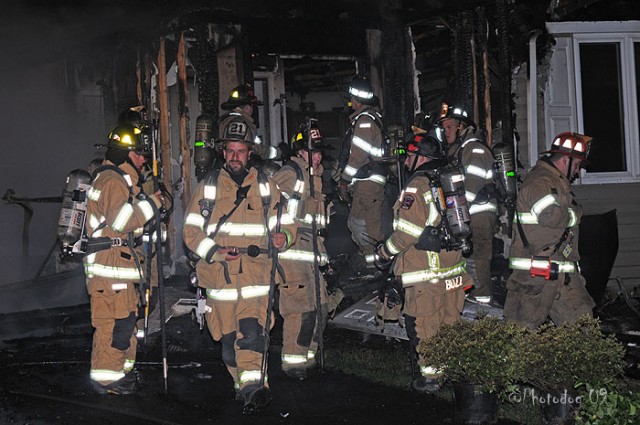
<point>457,209</point>
<point>505,170</point>
<point>74,208</point>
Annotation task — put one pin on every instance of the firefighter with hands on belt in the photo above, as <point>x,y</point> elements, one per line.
<point>469,152</point>
<point>116,209</point>
<point>230,225</point>
<point>241,103</point>
<point>431,277</point>
<point>298,303</point>
<point>546,280</point>
<point>364,175</point>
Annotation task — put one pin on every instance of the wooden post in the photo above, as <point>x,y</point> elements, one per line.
<point>476,112</point>
<point>487,94</point>
<point>165,139</point>
<point>185,151</point>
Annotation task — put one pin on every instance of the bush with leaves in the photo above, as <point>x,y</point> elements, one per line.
<point>481,352</point>
<point>607,404</point>
<point>560,357</point>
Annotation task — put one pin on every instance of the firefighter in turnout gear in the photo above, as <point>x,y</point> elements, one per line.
<point>472,155</point>
<point>431,277</point>
<point>241,103</point>
<point>364,175</point>
<point>230,225</point>
<point>116,208</point>
<point>546,280</point>
<point>298,304</point>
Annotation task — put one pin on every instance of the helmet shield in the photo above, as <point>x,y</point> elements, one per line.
<point>427,144</point>
<point>308,135</point>
<point>571,144</point>
<point>127,136</point>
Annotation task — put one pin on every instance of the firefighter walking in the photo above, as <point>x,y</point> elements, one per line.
<point>546,280</point>
<point>229,224</point>
<point>364,174</point>
<point>116,208</point>
<point>298,303</point>
<point>469,152</point>
<point>431,276</point>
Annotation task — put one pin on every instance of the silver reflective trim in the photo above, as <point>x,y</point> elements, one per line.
<point>112,272</point>
<point>433,275</point>
<point>293,359</point>
<point>209,192</point>
<point>265,190</point>
<point>366,146</point>
<point>104,375</point>
<point>408,227</point>
<point>93,194</point>
<point>147,209</point>
<point>350,171</point>
<point>393,250</point>
<point>474,170</point>
<point>222,294</point>
<point>477,208</point>
<point>123,217</point>
<point>118,286</point>
<point>204,247</point>
<point>249,376</point>
<point>194,219</point>
<point>254,291</point>
<point>235,229</point>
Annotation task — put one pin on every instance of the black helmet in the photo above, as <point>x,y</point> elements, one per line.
<point>127,136</point>
<point>455,112</point>
<point>423,143</point>
<point>361,89</point>
<point>239,96</point>
<point>237,130</point>
<point>135,115</point>
<point>300,140</point>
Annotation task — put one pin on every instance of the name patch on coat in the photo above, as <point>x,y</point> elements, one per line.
<point>407,201</point>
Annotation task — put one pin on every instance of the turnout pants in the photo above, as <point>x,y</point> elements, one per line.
<point>239,324</point>
<point>426,309</point>
<point>300,328</point>
<point>479,264</point>
<point>114,307</point>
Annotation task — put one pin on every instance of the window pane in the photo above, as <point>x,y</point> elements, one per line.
<point>602,105</point>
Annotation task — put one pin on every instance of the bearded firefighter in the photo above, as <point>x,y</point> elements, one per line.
<point>231,225</point>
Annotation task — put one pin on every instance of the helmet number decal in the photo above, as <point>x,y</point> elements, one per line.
<point>314,133</point>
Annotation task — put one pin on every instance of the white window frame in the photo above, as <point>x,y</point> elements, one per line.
<point>625,34</point>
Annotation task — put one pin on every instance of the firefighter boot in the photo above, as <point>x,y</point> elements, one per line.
<point>426,384</point>
<point>256,400</point>
<point>125,386</point>
<point>297,373</point>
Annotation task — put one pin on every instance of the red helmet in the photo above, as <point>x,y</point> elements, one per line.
<point>571,144</point>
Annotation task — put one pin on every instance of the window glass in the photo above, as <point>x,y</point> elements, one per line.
<point>602,105</point>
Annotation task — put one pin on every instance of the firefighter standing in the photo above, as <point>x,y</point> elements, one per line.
<point>227,225</point>
<point>298,303</point>
<point>115,209</point>
<point>432,278</point>
<point>546,280</point>
<point>364,174</point>
<point>469,152</point>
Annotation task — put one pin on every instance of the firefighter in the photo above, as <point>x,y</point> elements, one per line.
<point>470,152</point>
<point>116,208</point>
<point>364,175</point>
<point>230,224</point>
<point>298,302</point>
<point>241,103</point>
<point>431,277</point>
<point>546,280</point>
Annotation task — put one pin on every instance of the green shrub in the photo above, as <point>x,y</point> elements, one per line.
<point>481,351</point>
